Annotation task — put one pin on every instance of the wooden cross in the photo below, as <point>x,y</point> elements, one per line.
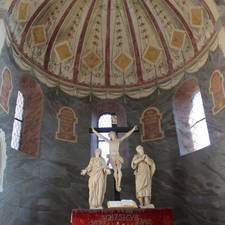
<point>117,130</point>
<point>114,127</point>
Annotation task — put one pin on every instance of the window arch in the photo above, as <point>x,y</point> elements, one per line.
<point>28,112</point>
<point>3,34</point>
<point>18,122</point>
<point>191,124</point>
<point>105,120</point>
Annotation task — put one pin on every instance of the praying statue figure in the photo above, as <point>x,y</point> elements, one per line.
<point>144,168</point>
<point>115,158</point>
<point>97,171</point>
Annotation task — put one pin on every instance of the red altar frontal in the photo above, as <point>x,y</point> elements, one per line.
<point>122,217</point>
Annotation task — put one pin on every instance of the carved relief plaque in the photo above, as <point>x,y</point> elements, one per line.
<point>6,89</point>
<point>66,125</point>
<point>216,89</point>
<point>151,125</point>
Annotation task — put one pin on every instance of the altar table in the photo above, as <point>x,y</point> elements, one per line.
<point>122,217</point>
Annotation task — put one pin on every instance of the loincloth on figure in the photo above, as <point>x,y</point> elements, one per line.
<point>115,160</point>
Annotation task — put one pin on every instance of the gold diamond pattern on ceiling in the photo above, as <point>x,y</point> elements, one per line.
<point>196,15</point>
<point>178,39</point>
<point>38,35</point>
<point>63,51</point>
<point>23,11</point>
<point>123,61</point>
<point>152,54</point>
<point>99,44</point>
<point>92,60</point>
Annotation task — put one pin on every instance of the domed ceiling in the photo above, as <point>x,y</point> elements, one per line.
<point>111,47</point>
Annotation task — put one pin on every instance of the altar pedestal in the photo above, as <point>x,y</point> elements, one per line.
<point>122,217</point>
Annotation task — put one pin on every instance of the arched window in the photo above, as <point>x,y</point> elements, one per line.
<point>28,117</point>
<point>110,108</point>
<point>3,34</point>
<point>104,121</point>
<point>3,157</point>
<point>191,124</point>
<point>197,122</point>
<point>18,121</point>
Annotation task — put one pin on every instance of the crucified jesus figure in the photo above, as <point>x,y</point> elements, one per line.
<point>114,156</point>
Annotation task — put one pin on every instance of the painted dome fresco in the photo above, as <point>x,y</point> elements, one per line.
<point>111,47</point>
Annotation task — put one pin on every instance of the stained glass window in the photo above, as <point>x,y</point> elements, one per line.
<point>18,120</point>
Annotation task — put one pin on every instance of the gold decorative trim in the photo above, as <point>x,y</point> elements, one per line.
<point>194,21</point>
<point>23,11</point>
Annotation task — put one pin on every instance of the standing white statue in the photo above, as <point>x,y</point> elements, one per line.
<point>144,168</point>
<point>115,158</point>
<point>3,158</point>
<point>97,171</point>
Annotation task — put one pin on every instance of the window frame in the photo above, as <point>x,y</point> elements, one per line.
<point>198,122</point>
<point>18,120</point>
<point>100,140</point>
<point>182,107</point>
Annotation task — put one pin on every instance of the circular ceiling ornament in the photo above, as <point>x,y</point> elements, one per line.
<point>111,47</point>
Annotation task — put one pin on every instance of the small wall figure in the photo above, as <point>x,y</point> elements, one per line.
<point>66,125</point>
<point>3,158</point>
<point>6,89</point>
<point>216,89</point>
<point>151,125</point>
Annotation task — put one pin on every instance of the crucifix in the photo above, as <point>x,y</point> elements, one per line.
<point>114,142</point>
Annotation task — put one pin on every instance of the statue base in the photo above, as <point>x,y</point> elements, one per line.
<point>96,208</point>
<point>150,206</point>
<point>122,216</point>
<point>122,204</point>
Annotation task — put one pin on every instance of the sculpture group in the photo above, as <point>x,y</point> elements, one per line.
<point>97,170</point>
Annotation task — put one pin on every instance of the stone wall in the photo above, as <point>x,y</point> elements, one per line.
<point>42,190</point>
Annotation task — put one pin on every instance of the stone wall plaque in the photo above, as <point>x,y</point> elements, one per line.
<point>216,89</point>
<point>6,89</point>
<point>151,125</point>
<point>66,125</point>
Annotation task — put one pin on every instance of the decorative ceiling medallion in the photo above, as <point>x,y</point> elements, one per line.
<point>63,51</point>
<point>152,54</point>
<point>23,11</point>
<point>178,39</point>
<point>92,60</point>
<point>123,62</point>
<point>38,35</point>
<point>196,16</point>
